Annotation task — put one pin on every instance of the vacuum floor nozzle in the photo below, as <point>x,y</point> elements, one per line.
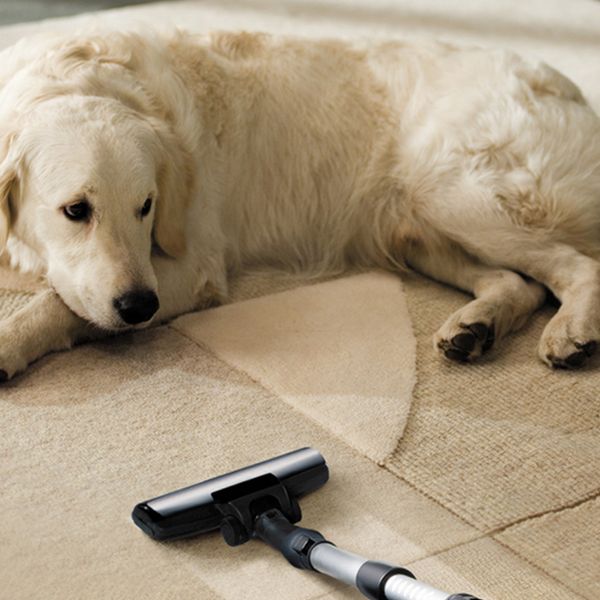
<point>200,508</point>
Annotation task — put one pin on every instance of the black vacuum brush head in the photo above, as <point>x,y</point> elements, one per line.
<point>230,502</point>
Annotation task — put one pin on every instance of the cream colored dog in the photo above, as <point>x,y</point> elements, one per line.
<point>137,172</point>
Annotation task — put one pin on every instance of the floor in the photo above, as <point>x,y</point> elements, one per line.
<point>19,11</point>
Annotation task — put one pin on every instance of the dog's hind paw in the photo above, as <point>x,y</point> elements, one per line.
<point>570,359</point>
<point>469,332</point>
<point>465,342</point>
<point>569,340</point>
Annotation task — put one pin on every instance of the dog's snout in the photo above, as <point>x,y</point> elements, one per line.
<point>136,307</point>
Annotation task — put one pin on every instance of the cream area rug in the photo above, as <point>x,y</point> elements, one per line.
<point>320,349</point>
<point>482,478</point>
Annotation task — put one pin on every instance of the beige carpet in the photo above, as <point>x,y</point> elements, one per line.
<point>486,480</point>
<point>93,431</point>
<point>533,433</point>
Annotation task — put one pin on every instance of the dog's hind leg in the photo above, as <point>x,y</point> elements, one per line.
<point>572,335</point>
<point>504,300</point>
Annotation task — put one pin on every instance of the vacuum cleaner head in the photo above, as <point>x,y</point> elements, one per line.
<point>231,502</point>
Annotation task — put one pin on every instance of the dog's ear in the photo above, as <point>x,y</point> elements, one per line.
<point>175,181</point>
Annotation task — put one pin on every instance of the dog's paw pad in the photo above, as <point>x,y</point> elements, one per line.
<point>485,334</point>
<point>480,330</point>
<point>456,355</point>
<point>575,360</point>
<point>556,362</point>
<point>464,341</point>
<point>589,348</point>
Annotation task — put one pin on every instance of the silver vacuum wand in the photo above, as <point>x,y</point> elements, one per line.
<point>260,501</point>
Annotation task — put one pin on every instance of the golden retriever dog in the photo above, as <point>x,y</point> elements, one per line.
<point>138,172</point>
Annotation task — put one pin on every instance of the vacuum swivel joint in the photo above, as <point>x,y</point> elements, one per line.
<point>242,505</point>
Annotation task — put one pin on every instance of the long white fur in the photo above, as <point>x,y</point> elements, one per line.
<point>470,165</point>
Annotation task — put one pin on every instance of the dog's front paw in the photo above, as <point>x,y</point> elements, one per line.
<point>12,360</point>
<point>568,343</point>
<point>43,325</point>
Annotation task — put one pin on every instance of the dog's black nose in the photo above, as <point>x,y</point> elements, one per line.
<point>136,307</point>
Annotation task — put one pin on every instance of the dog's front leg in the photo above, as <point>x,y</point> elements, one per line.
<point>44,325</point>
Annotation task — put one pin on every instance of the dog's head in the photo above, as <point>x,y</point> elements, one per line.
<point>93,188</point>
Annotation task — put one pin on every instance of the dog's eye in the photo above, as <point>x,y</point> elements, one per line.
<point>146,208</point>
<point>80,211</point>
